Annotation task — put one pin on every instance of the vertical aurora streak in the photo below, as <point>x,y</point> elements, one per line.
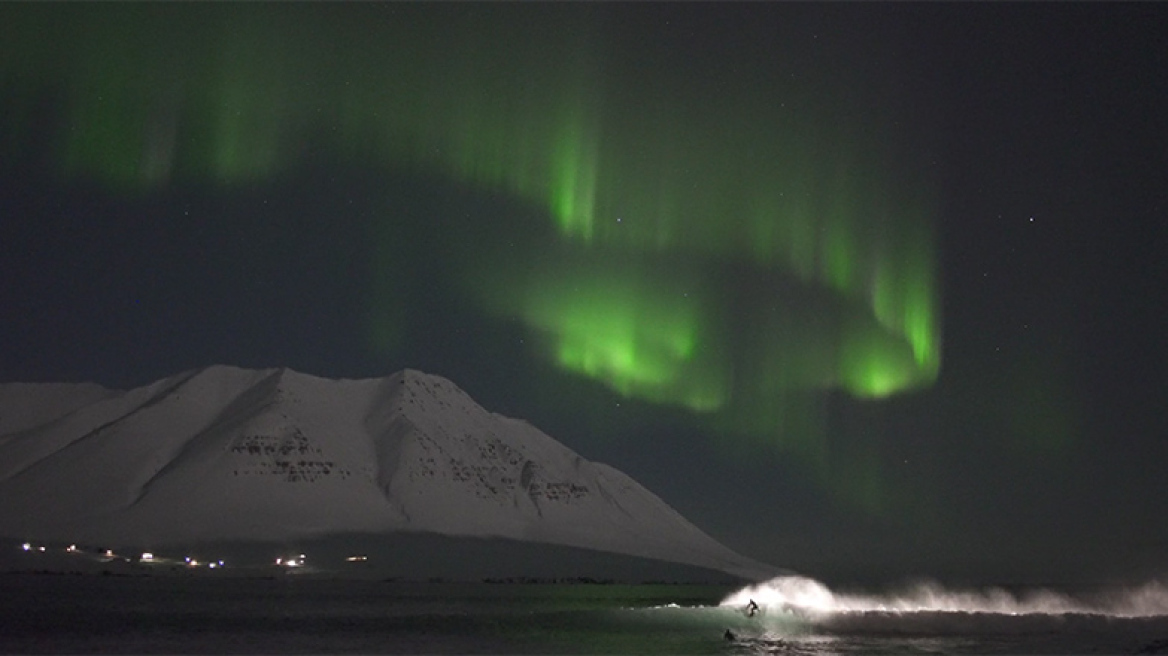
<point>725,243</point>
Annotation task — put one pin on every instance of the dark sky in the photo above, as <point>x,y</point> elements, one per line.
<point>864,290</point>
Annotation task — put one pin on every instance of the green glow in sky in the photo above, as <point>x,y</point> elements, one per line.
<point>642,343</point>
<point>737,238</point>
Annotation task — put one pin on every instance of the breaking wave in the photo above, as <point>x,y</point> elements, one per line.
<point>789,606</point>
<point>810,599</point>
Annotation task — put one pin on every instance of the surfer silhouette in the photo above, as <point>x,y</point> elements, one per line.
<point>728,635</point>
<point>751,609</point>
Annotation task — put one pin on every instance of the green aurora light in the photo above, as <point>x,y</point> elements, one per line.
<point>714,247</point>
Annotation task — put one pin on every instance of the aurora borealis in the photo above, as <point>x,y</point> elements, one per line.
<point>625,173</point>
<point>741,223</point>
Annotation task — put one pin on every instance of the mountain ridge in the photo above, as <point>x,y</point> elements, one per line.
<point>229,453</point>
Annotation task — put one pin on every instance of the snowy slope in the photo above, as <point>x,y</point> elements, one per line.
<point>232,454</point>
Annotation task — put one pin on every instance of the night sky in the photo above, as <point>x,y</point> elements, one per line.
<point>867,291</point>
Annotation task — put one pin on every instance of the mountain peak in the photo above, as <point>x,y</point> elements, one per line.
<point>235,454</point>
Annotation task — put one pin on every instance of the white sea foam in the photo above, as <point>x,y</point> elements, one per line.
<point>811,599</point>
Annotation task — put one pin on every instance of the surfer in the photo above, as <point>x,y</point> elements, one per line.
<point>751,609</point>
<point>728,635</point>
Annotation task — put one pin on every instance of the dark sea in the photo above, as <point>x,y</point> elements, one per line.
<point>62,613</point>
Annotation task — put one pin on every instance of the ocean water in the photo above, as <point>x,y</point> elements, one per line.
<point>41,613</point>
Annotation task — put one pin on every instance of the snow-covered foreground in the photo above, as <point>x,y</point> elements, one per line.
<point>232,454</point>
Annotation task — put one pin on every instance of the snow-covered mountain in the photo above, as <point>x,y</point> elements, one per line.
<point>231,454</point>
